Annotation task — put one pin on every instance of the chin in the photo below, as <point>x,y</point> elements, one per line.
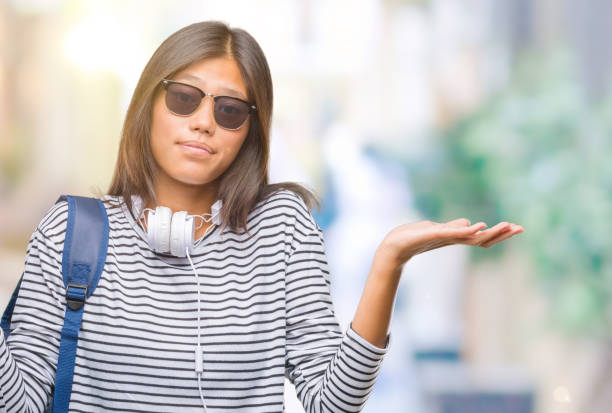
<point>191,180</point>
<point>194,182</point>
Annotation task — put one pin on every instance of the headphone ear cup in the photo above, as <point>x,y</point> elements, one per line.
<point>151,225</point>
<point>189,233</point>
<point>181,234</point>
<point>158,229</point>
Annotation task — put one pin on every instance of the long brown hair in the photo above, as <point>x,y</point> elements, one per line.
<point>245,182</point>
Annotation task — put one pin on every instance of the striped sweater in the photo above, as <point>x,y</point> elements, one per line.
<point>266,314</point>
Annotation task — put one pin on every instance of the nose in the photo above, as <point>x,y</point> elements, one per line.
<point>202,119</point>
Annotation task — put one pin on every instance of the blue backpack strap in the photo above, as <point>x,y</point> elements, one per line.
<point>83,260</point>
<point>8,313</point>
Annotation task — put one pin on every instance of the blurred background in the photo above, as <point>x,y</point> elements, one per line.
<point>393,111</point>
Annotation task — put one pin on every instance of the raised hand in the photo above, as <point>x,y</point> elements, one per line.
<point>373,313</point>
<point>408,240</point>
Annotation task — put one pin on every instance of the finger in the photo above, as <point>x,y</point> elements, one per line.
<point>512,231</point>
<point>459,235</point>
<point>491,233</point>
<point>460,222</point>
<point>502,226</point>
<point>505,232</point>
<point>478,226</point>
<point>494,241</point>
<point>501,237</point>
<point>488,237</point>
<point>467,231</point>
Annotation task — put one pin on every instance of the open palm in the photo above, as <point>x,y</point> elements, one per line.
<point>410,239</point>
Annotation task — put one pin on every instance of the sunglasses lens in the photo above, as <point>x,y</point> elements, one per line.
<point>182,99</point>
<point>230,113</point>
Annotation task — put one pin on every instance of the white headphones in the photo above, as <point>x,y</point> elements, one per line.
<point>174,233</point>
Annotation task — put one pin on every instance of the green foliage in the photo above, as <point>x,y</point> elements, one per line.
<point>537,154</point>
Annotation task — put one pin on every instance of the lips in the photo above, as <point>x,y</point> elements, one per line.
<point>197,147</point>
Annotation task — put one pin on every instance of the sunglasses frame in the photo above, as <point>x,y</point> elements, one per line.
<point>251,108</point>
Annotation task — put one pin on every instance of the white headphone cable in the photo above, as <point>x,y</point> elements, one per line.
<point>211,218</point>
<point>199,369</point>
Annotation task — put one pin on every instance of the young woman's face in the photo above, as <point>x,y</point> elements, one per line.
<point>193,149</point>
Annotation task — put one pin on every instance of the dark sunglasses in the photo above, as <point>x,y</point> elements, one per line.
<point>183,99</point>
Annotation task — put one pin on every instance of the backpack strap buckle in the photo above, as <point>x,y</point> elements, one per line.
<point>75,295</point>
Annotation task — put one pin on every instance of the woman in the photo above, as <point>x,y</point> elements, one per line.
<point>213,324</point>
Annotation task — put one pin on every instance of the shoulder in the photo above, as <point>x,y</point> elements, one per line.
<point>55,221</point>
<point>286,208</point>
<point>53,224</point>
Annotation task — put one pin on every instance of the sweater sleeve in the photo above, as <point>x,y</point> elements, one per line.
<point>331,371</point>
<point>28,357</point>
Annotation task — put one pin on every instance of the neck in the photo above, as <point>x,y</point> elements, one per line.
<point>194,202</point>
<point>195,199</point>
<point>178,196</point>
